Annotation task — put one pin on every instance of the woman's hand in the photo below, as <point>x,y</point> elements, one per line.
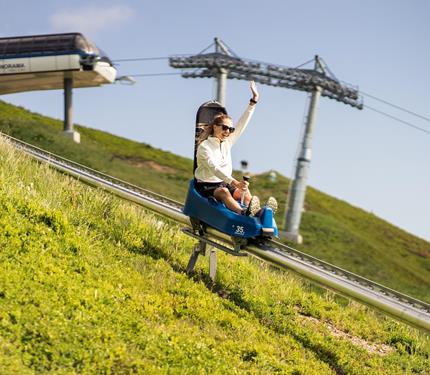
<point>241,185</point>
<point>255,94</point>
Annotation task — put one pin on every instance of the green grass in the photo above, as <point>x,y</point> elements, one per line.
<point>91,284</point>
<point>333,230</point>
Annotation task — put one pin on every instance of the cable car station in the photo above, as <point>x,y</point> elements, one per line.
<point>52,62</point>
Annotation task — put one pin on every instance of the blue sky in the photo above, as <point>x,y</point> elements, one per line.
<point>362,157</point>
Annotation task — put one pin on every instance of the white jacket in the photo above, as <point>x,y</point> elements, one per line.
<point>214,157</point>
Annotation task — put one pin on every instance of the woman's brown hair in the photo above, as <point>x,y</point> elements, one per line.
<point>208,129</point>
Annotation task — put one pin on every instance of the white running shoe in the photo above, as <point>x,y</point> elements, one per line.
<point>253,207</point>
<point>272,203</point>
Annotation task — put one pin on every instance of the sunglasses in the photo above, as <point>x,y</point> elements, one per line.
<point>226,127</point>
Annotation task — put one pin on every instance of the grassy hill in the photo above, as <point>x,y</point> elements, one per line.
<point>333,230</point>
<point>90,284</point>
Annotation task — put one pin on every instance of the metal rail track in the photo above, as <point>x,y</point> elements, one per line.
<point>398,305</point>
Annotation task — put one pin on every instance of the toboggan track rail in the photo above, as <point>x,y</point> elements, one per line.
<point>386,300</point>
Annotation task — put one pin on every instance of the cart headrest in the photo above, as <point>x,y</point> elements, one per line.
<point>207,111</point>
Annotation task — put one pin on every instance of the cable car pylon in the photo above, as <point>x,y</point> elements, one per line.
<point>224,64</point>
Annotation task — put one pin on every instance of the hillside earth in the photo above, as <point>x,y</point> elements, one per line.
<point>334,230</point>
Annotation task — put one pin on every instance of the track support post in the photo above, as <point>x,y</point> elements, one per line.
<point>199,248</point>
<point>204,244</point>
<point>212,264</point>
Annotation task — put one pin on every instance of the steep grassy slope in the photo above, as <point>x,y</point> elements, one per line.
<point>359,241</point>
<point>135,162</point>
<point>90,284</point>
<point>333,230</point>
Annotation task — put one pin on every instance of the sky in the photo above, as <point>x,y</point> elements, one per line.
<point>367,159</point>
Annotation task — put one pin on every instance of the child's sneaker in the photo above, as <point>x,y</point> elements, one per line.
<point>272,203</point>
<point>253,207</point>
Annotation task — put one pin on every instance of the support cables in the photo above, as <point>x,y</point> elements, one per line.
<point>135,59</point>
<point>397,119</point>
<point>141,59</point>
<point>396,106</point>
<point>154,74</point>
